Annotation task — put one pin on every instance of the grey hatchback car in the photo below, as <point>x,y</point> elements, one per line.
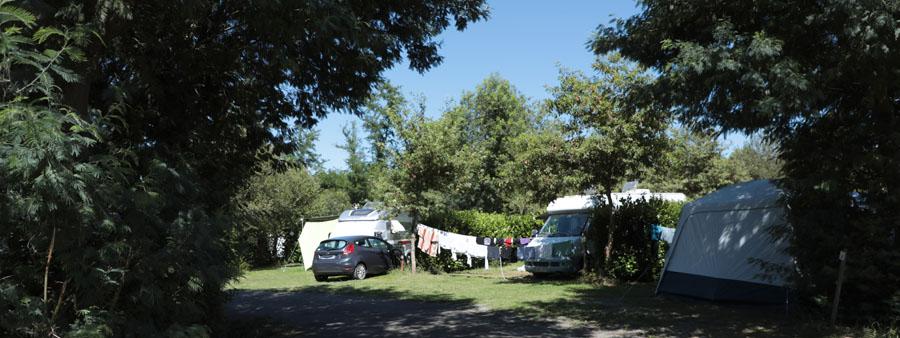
<point>354,256</point>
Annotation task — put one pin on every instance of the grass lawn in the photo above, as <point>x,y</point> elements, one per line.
<point>622,307</point>
<point>485,286</point>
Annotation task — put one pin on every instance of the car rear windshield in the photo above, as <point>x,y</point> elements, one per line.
<point>332,245</point>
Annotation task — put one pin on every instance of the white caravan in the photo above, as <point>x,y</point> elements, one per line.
<point>370,220</point>
<point>558,247</point>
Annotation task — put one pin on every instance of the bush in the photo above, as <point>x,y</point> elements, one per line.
<point>476,223</point>
<point>634,256</point>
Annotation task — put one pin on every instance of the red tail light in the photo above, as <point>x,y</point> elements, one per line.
<point>348,249</point>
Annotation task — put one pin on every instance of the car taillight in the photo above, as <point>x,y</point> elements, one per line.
<point>348,249</point>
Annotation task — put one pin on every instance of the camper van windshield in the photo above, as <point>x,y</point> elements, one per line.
<point>564,225</point>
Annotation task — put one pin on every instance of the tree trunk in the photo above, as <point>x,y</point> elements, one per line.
<point>49,259</point>
<point>415,239</point>
<point>611,231</point>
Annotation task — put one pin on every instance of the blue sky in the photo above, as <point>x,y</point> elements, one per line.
<point>524,41</point>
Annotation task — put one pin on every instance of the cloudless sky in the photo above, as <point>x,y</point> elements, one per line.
<point>523,41</point>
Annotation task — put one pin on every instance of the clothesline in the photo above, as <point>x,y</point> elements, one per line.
<point>432,240</point>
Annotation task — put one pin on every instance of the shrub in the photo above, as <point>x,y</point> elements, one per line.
<point>476,223</point>
<point>635,256</point>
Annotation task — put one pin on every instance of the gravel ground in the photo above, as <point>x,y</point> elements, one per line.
<point>303,313</point>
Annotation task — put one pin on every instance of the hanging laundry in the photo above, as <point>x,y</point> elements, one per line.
<point>432,240</point>
<point>485,241</point>
<point>427,240</point>
<point>662,233</point>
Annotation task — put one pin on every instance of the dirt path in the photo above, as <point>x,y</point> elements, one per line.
<point>304,313</point>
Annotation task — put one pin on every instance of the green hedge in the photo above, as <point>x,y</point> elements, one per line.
<point>476,223</point>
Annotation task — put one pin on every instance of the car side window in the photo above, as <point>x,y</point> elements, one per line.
<point>363,243</point>
<point>378,244</point>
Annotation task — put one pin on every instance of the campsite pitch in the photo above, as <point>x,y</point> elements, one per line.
<point>289,302</point>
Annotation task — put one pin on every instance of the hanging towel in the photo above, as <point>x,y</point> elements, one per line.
<point>427,239</point>
<point>431,239</point>
<point>662,233</point>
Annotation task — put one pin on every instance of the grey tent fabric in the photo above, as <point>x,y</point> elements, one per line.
<point>718,242</point>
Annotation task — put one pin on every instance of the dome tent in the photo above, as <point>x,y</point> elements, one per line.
<point>719,241</point>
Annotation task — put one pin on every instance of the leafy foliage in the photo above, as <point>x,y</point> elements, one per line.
<point>756,159</point>
<point>817,79</point>
<point>487,121</point>
<point>272,206</point>
<point>612,135</point>
<point>635,257</point>
<point>693,165</point>
<point>424,168</point>
<point>490,133</point>
<point>357,176</point>
<point>127,127</point>
<point>538,171</point>
<point>477,223</point>
<point>382,113</point>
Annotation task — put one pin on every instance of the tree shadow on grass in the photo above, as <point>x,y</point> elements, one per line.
<point>362,312</point>
<point>330,309</point>
<point>635,309</point>
<point>549,279</point>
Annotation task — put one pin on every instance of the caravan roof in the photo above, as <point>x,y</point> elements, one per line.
<point>364,214</point>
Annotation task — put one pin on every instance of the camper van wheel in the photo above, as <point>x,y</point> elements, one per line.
<point>320,278</point>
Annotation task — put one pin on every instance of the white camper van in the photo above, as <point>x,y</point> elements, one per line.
<point>558,247</point>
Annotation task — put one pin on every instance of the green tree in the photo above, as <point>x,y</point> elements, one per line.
<point>382,113</point>
<point>818,80</point>
<point>486,120</point>
<point>612,137</point>
<point>424,169</point>
<point>304,149</point>
<point>271,206</point>
<point>121,148</point>
<point>537,171</point>
<point>693,164</point>
<point>756,159</point>
<point>357,168</point>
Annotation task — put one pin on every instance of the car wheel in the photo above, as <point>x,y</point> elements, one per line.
<point>360,271</point>
<point>320,278</point>
<point>540,274</point>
